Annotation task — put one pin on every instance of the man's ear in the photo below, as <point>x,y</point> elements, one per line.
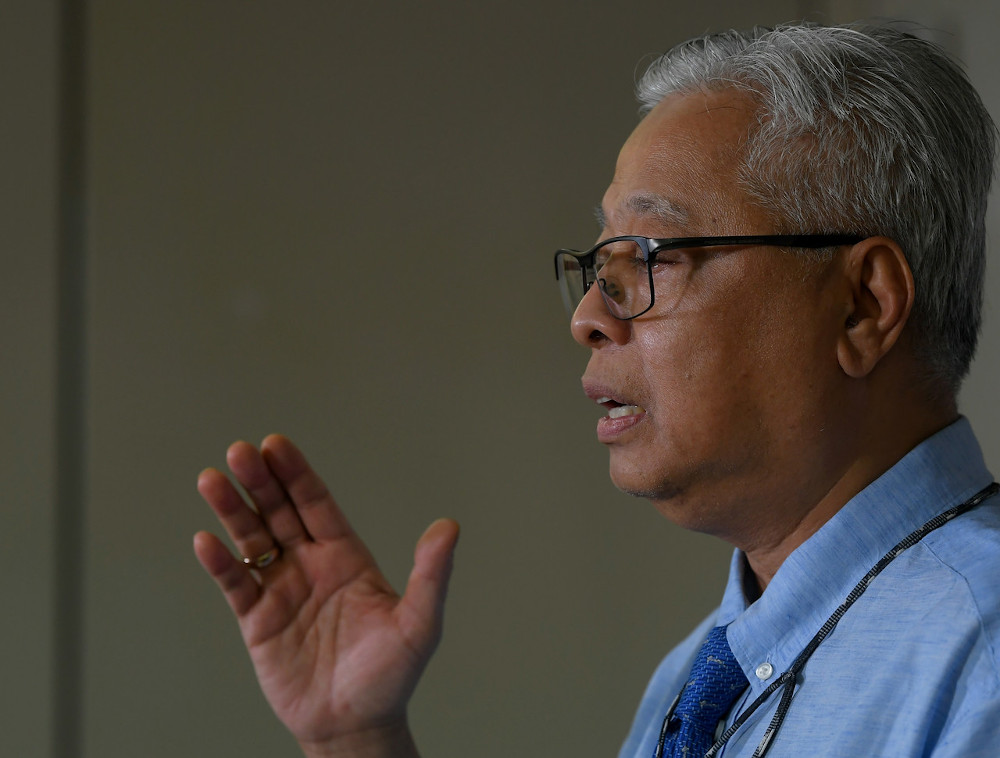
<point>881,297</point>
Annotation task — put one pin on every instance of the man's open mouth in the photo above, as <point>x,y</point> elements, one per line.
<point>618,410</point>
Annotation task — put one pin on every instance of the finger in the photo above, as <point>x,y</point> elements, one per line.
<point>315,505</point>
<point>421,610</point>
<point>246,529</point>
<point>232,577</point>
<point>273,504</point>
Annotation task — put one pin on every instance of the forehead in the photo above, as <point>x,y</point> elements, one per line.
<point>680,165</point>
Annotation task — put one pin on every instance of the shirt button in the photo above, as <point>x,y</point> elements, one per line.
<point>764,671</point>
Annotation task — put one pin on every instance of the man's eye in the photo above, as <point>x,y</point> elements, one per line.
<point>666,258</point>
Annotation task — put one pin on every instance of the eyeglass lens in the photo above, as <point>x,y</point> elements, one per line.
<point>620,272</point>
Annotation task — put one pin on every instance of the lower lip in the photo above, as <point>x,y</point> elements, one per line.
<point>610,429</point>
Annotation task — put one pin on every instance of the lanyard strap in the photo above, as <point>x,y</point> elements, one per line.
<point>788,679</point>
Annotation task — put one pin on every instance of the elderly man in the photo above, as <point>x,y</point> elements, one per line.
<point>782,304</point>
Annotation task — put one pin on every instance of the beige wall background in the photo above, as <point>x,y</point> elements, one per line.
<point>334,220</point>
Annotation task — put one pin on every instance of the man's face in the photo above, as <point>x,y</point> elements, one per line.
<point>725,388</point>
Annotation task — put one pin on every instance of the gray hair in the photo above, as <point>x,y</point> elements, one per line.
<point>863,129</point>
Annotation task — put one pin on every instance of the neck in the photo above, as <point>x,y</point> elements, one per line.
<point>882,437</point>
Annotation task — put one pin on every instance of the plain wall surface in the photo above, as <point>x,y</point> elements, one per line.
<point>28,219</point>
<point>336,221</point>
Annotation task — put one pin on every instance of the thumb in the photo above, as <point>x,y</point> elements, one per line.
<point>421,610</point>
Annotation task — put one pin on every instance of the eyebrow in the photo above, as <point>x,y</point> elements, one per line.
<point>648,204</point>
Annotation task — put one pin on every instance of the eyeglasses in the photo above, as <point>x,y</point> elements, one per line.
<point>623,267</point>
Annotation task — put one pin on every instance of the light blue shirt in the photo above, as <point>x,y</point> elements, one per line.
<point>912,669</point>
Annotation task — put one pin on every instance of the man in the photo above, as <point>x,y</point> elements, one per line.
<point>782,304</point>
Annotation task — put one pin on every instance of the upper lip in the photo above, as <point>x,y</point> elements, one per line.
<point>604,395</point>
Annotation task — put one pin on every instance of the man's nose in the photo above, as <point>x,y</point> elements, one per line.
<point>594,326</point>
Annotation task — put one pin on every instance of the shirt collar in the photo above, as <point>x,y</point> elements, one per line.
<point>944,470</point>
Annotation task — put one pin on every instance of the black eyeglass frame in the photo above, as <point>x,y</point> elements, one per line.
<point>650,246</point>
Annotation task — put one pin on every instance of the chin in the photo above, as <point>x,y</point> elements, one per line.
<point>678,504</point>
<point>641,484</point>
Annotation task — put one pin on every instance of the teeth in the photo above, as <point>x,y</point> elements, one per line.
<point>624,410</point>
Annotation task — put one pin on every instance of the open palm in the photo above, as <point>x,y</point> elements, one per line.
<point>337,652</point>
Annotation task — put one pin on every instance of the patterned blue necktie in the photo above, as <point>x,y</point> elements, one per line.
<point>716,680</point>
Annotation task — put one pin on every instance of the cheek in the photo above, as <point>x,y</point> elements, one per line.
<point>738,378</point>
<point>699,372</point>
<point>742,355</point>
<point>783,366</point>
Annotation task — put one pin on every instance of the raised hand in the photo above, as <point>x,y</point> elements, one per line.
<point>337,652</point>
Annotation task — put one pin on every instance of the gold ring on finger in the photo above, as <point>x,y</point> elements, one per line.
<point>264,559</point>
